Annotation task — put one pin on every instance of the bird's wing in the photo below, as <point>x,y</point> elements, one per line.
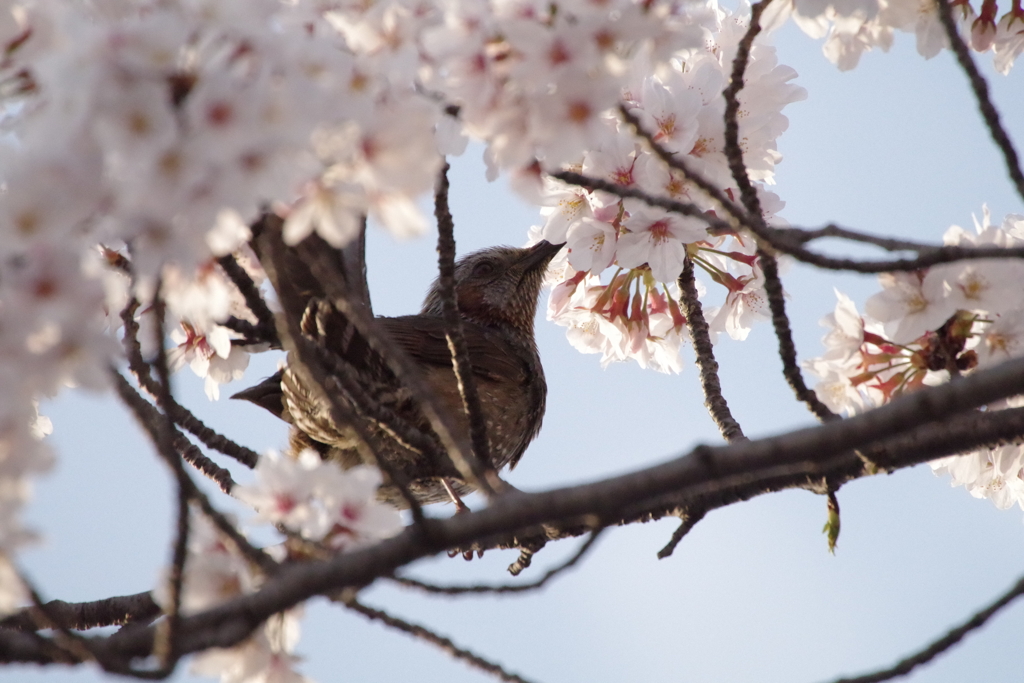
<point>423,338</point>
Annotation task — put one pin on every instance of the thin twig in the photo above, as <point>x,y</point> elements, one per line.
<point>181,415</point>
<point>769,266</point>
<point>980,88</point>
<point>484,469</point>
<point>943,644</point>
<point>251,333</point>
<point>714,401</point>
<point>504,588</point>
<point>148,417</point>
<point>689,520</point>
<point>733,151</point>
<point>678,163</point>
<point>425,634</point>
<point>265,328</point>
<point>343,413</point>
<point>399,363</point>
<point>789,240</point>
<point>784,334</point>
<point>165,649</point>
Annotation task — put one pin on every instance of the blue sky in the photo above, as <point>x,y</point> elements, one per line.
<point>894,147</point>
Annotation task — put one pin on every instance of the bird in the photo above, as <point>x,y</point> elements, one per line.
<point>496,292</point>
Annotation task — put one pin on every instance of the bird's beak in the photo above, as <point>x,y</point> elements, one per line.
<point>539,255</point>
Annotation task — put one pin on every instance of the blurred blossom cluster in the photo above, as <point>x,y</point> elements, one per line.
<point>319,501</point>
<point>926,326</point>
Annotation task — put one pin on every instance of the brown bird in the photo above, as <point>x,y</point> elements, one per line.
<point>496,291</point>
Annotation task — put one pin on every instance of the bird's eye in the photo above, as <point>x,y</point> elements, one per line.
<point>483,269</point>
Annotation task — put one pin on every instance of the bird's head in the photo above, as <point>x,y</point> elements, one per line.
<point>499,286</point>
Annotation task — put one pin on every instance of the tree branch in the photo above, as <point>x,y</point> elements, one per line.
<point>476,589</point>
<point>733,471</point>
<point>425,634</point>
<point>114,611</point>
<point>483,474</point>
<point>265,329</point>
<point>181,415</point>
<point>714,401</point>
<point>784,334</point>
<point>980,88</point>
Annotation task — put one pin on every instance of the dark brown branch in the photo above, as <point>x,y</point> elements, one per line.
<point>803,236</point>
<point>71,643</point>
<point>789,240</point>
<point>806,458</point>
<point>425,634</point>
<point>714,401</point>
<point>148,417</point>
<point>944,643</point>
<point>181,416</point>
<point>114,611</point>
<point>315,364</point>
<point>733,152</point>
<point>265,329</point>
<point>167,635</point>
<point>784,334</point>
<point>772,284</point>
<point>483,474</point>
<point>508,587</point>
<point>751,467</point>
<point>251,334</point>
<point>980,88</point>
<point>324,366</point>
<point>688,520</point>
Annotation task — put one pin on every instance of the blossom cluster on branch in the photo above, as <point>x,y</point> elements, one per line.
<point>852,27</point>
<point>926,327</point>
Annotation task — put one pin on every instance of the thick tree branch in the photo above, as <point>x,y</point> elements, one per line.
<point>743,468</point>
<point>167,633</point>
<point>81,616</point>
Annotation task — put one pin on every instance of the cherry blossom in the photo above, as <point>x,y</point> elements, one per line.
<point>923,328</point>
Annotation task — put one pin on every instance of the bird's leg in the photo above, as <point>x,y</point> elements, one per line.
<point>460,508</point>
